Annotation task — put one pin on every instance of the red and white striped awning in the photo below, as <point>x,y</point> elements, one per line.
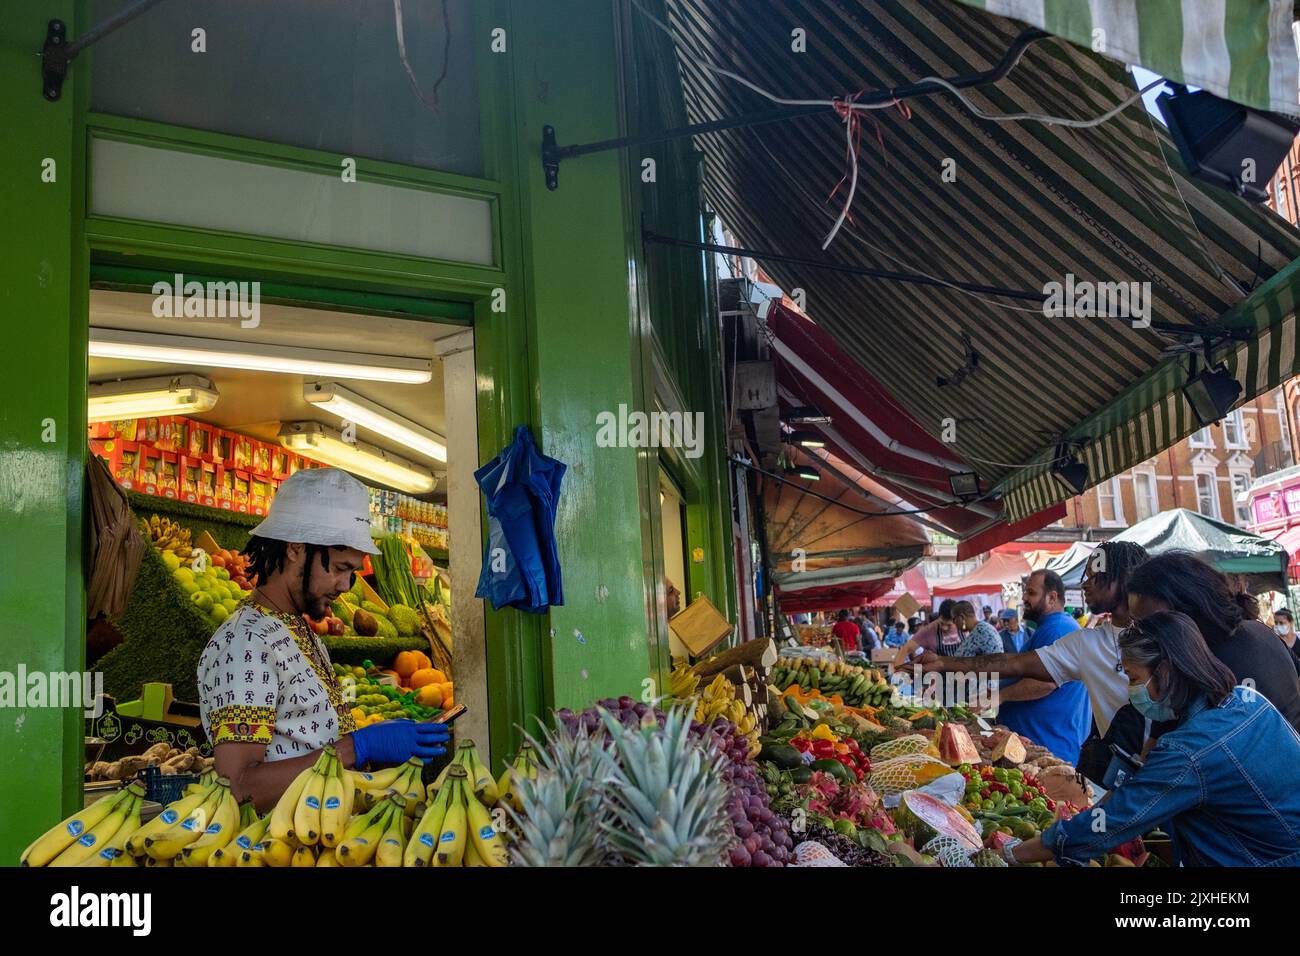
<point>872,434</point>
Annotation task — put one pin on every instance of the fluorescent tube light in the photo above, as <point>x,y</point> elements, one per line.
<point>148,397</point>
<point>223,353</point>
<point>354,408</point>
<point>317,441</point>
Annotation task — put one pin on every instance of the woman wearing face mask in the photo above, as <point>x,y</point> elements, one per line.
<point>1228,620</point>
<point>1284,627</point>
<point>1227,777</point>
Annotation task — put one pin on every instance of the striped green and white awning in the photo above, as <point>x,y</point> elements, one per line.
<point>1154,414</point>
<point>1241,50</point>
<point>1030,204</point>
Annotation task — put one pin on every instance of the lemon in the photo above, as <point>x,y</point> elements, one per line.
<point>172,561</point>
<point>182,574</point>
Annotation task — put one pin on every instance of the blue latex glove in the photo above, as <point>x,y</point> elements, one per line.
<point>396,741</point>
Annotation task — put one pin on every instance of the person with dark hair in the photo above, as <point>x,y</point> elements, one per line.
<point>939,631</point>
<point>269,700</point>
<point>1226,780</point>
<point>1284,627</point>
<point>1089,655</point>
<point>868,639</point>
<point>846,631</point>
<point>1054,716</point>
<point>988,615</point>
<point>1226,617</point>
<point>897,635</point>
<point>977,637</point>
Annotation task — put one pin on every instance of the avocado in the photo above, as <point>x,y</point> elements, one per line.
<point>784,756</point>
<point>835,769</point>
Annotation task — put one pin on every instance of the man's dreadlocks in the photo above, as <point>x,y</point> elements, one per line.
<point>267,556</point>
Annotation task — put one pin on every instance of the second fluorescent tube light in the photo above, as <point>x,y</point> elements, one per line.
<point>224,353</point>
<point>316,441</point>
<point>149,397</point>
<point>361,411</point>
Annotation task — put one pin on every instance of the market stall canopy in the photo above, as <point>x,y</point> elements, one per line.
<point>988,578</point>
<point>1245,53</point>
<point>1289,538</point>
<point>1071,564</point>
<point>869,429</point>
<point>1230,549</point>
<point>1023,204</point>
<point>829,554</point>
<point>912,582</point>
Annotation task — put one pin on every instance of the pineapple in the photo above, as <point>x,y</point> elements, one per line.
<point>667,797</point>
<point>561,808</point>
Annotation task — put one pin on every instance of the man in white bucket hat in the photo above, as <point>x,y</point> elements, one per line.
<point>269,699</point>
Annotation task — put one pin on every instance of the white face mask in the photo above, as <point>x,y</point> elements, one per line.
<point>1281,629</point>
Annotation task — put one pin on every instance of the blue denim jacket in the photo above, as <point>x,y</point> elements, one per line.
<point>1227,779</point>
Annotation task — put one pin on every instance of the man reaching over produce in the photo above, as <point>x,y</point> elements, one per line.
<point>1090,655</point>
<point>270,701</point>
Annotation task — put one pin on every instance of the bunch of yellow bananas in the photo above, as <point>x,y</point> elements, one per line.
<point>456,828</point>
<point>684,682</point>
<point>167,535</point>
<point>524,768</point>
<point>96,836</point>
<point>719,700</point>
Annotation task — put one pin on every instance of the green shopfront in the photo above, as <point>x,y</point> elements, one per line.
<point>288,144</point>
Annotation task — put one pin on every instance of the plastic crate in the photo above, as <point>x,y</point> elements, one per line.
<point>164,788</point>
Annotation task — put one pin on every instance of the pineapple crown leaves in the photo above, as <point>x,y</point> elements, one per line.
<point>667,802</point>
<point>561,808</point>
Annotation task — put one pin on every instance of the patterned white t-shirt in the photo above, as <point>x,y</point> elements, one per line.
<point>265,678</point>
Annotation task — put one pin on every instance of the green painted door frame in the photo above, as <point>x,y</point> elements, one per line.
<point>576,338</point>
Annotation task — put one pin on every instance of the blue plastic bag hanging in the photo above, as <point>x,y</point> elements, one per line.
<point>521,567</point>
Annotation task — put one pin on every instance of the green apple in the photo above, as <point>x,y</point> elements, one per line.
<point>183,574</point>
<point>230,604</point>
<point>223,574</point>
<point>202,600</point>
<point>189,587</point>
<point>218,613</point>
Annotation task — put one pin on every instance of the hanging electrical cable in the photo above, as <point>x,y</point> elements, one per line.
<point>430,103</point>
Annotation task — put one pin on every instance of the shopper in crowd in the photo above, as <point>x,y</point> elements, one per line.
<point>940,631</point>
<point>1012,631</point>
<point>1089,656</point>
<point>1225,780</point>
<point>1054,716</point>
<point>846,631</point>
<point>976,636</point>
<point>268,697</point>
<point>672,598</point>
<point>988,616</point>
<point>1284,626</point>
<point>1226,617</point>
<point>897,635</point>
<point>868,637</point>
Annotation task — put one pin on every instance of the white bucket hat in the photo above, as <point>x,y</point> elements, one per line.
<point>324,506</point>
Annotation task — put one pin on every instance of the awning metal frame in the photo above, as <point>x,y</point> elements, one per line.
<point>57,54</point>
<point>553,153</point>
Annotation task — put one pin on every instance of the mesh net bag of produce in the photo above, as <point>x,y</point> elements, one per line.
<point>948,851</point>
<point>905,773</point>
<point>812,853</point>
<point>900,747</point>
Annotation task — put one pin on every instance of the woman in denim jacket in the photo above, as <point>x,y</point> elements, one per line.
<point>1227,777</point>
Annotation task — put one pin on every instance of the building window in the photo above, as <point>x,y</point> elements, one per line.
<point>1234,431</point>
<point>1281,198</point>
<point>1207,494</point>
<point>1202,438</point>
<point>1282,428</point>
<point>1109,504</point>
<point>1145,501</point>
<point>1240,502</point>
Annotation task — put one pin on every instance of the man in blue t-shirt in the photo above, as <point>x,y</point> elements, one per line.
<point>1058,718</point>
